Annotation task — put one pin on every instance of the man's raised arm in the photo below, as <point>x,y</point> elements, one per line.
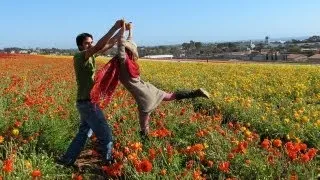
<point>103,41</point>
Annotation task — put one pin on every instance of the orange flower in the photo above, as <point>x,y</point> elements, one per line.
<point>77,177</point>
<point>117,154</point>
<point>145,165</point>
<point>277,143</point>
<point>224,166</point>
<point>293,177</point>
<point>163,172</point>
<point>242,147</point>
<point>1,139</point>
<point>161,133</point>
<point>197,175</point>
<point>136,146</point>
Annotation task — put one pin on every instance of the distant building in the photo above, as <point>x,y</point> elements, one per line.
<point>297,57</point>
<point>236,55</point>
<point>309,49</point>
<point>314,58</point>
<point>23,52</point>
<point>167,56</point>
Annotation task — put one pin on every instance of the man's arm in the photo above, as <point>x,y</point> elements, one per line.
<point>110,44</point>
<point>103,41</point>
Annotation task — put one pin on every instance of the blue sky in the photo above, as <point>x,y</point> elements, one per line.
<point>46,23</point>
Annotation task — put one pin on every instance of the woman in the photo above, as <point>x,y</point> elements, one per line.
<point>124,67</point>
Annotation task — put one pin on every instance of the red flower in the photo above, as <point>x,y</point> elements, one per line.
<point>189,164</point>
<point>145,165</point>
<point>17,124</point>
<point>303,147</point>
<point>113,170</point>
<point>224,166</point>
<point>36,173</point>
<point>7,166</point>
<point>210,163</point>
<point>305,158</point>
<point>271,159</point>
<point>152,154</point>
<point>292,155</point>
<point>265,144</point>
<point>230,156</point>
<point>312,152</point>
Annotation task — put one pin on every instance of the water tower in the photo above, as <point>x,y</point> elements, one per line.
<point>266,40</point>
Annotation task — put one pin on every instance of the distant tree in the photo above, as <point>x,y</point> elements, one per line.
<point>294,49</point>
<point>313,39</point>
<point>186,46</point>
<point>198,45</point>
<point>259,46</point>
<point>192,44</point>
<point>294,41</point>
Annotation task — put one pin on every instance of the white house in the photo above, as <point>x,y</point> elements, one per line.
<point>166,56</point>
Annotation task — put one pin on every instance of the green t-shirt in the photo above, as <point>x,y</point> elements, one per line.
<point>85,71</point>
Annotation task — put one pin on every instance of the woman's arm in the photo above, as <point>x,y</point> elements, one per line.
<point>121,41</point>
<point>129,28</point>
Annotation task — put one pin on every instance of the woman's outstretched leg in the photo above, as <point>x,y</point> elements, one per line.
<point>169,97</point>
<point>186,94</point>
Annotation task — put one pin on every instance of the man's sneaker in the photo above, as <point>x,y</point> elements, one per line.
<point>108,162</point>
<point>61,161</point>
<point>144,136</point>
<point>204,93</point>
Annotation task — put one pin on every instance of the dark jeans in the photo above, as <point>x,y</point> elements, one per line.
<point>92,117</point>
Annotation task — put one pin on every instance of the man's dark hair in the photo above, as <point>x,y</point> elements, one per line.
<point>81,37</point>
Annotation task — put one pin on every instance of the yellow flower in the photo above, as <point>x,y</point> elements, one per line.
<point>286,120</point>
<point>28,164</point>
<point>305,119</point>
<point>247,133</point>
<point>15,132</point>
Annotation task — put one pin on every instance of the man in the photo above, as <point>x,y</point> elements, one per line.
<point>91,116</point>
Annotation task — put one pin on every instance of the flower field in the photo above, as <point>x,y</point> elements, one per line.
<point>262,121</point>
